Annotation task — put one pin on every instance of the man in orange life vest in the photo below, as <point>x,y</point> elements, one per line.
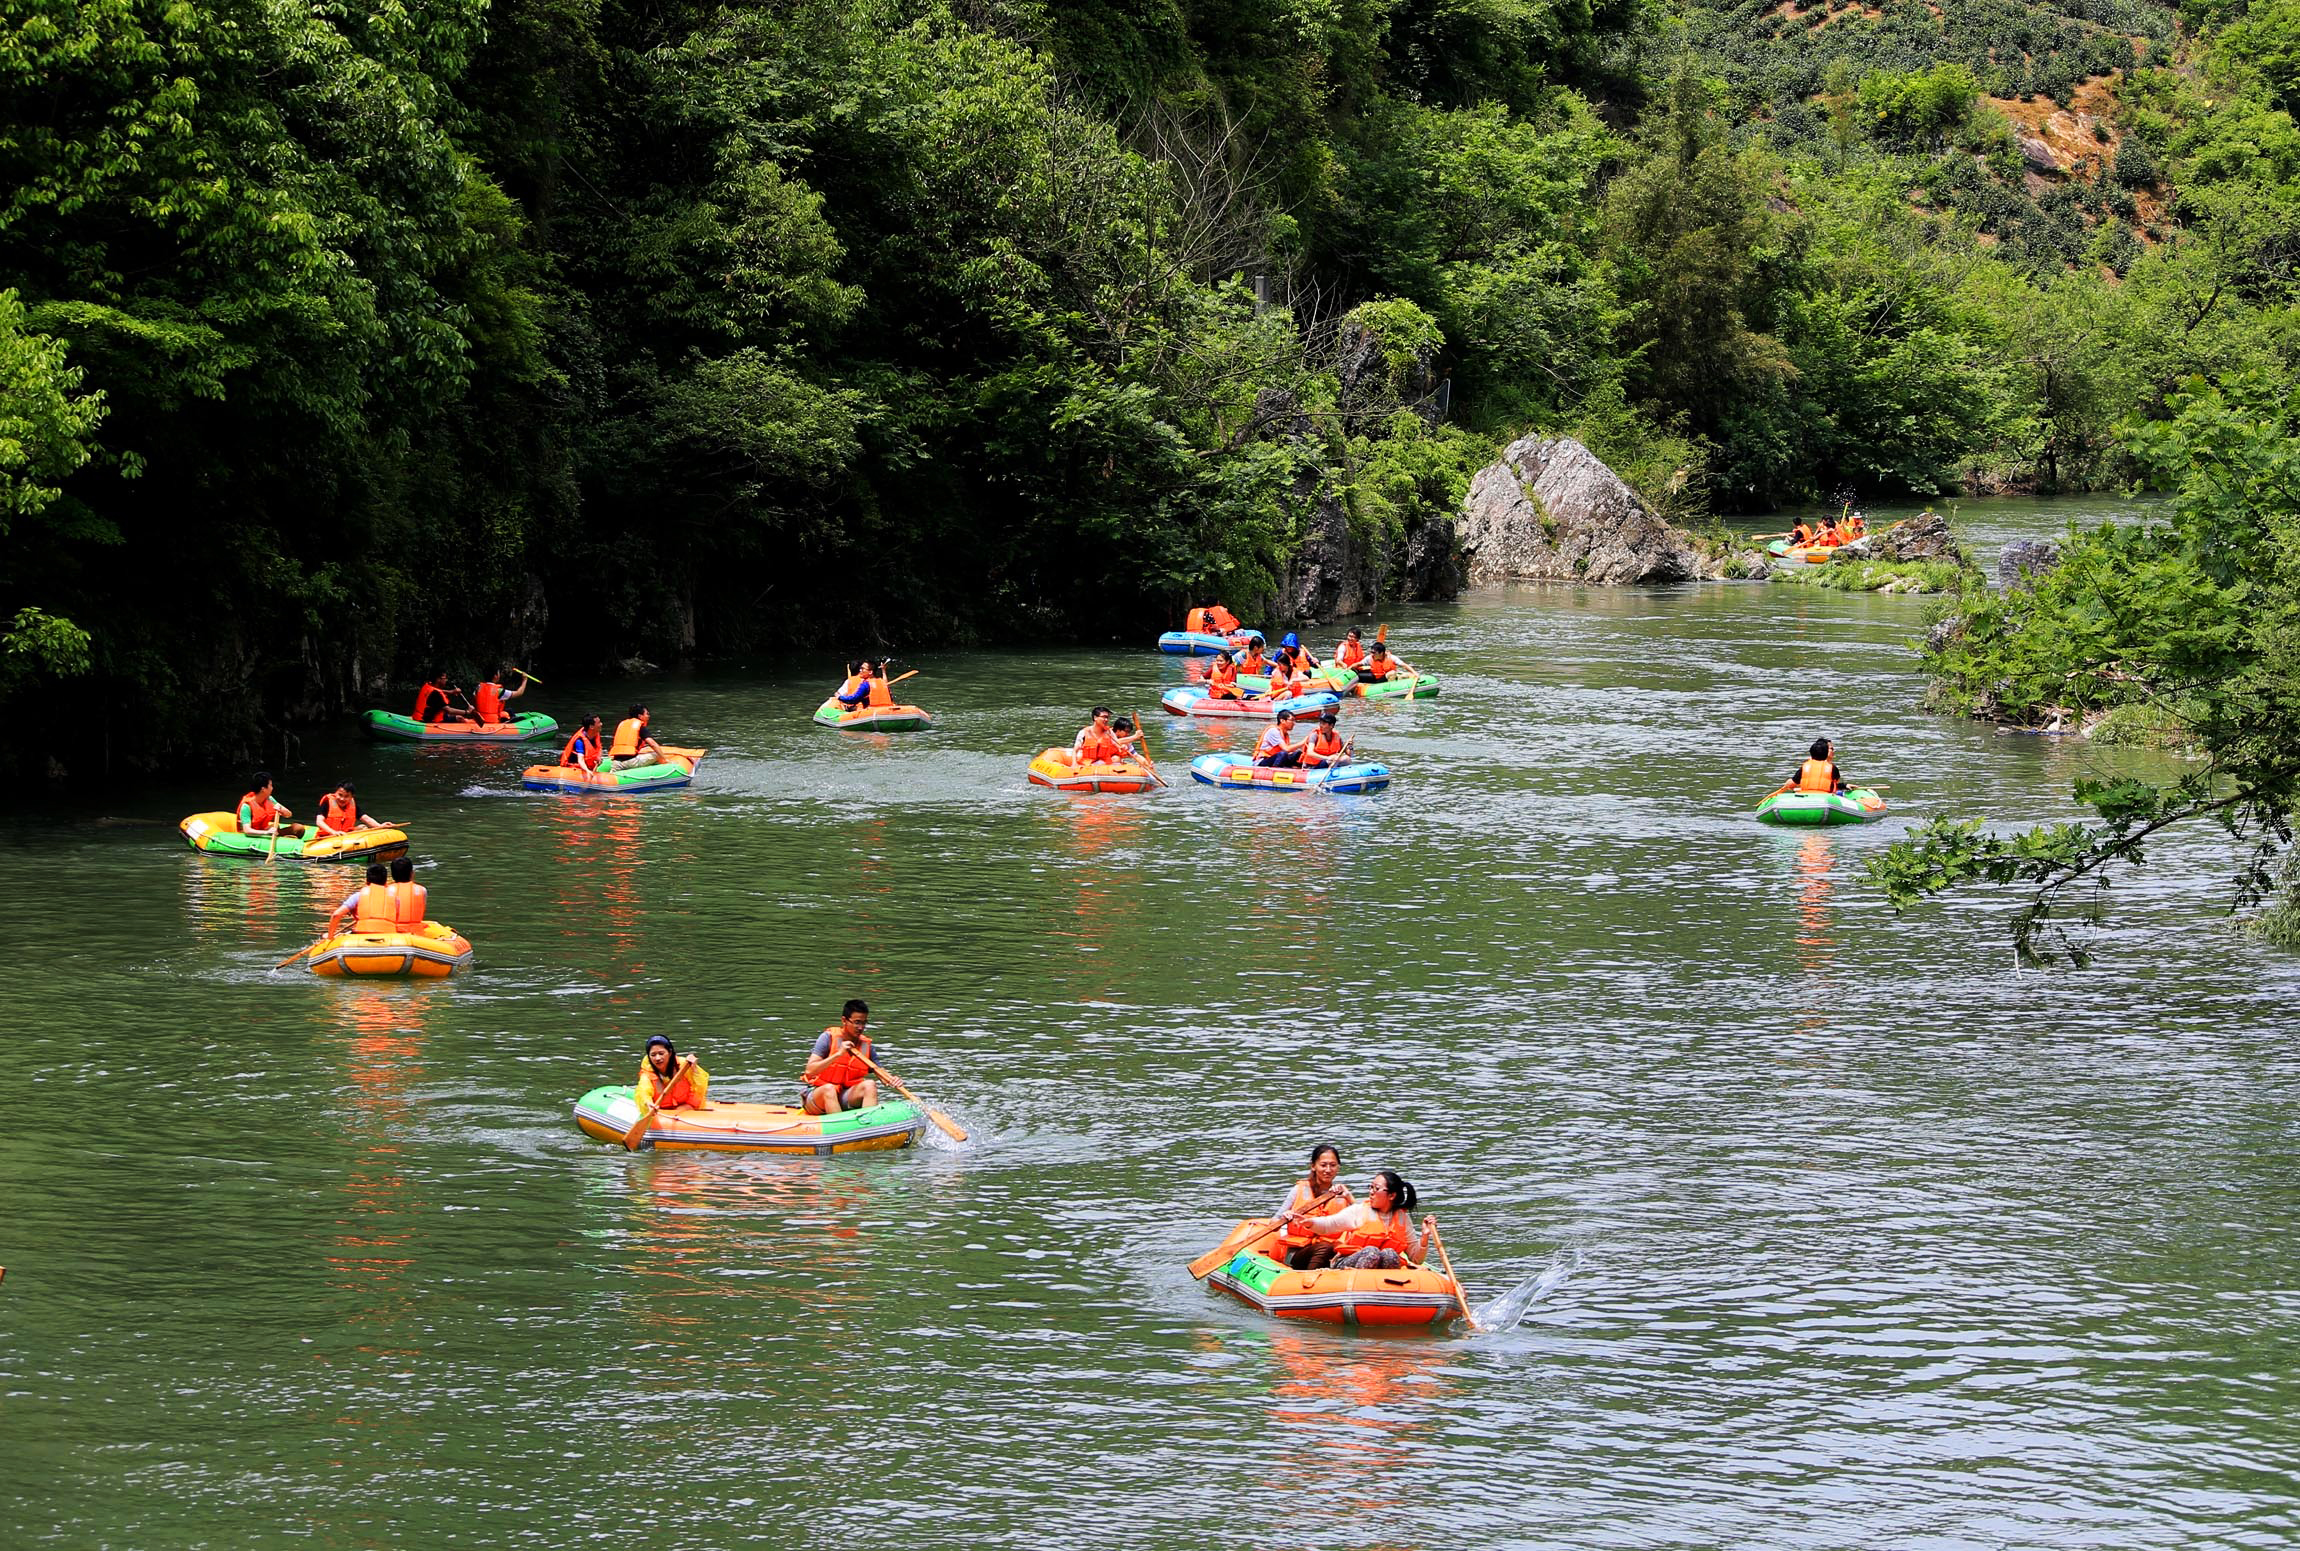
<point>1381,665</point>
<point>1326,746</point>
<point>632,747</point>
<point>259,814</point>
<point>1819,772</point>
<point>1097,744</point>
<point>339,812</point>
<point>837,1074</point>
<point>583,750</point>
<point>491,697</point>
<point>368,908</point>
<point>1278,748</point>
<point>409,899</point>
<point>431,702</point>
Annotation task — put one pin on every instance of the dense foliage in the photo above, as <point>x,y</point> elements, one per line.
<point>336,342</point>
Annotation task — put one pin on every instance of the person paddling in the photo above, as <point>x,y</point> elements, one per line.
<point>1326,746</point>
<point>367,908</point>
<point>1350,652</point>
<point>1277,748</point>
<point>1819,772</point>
<point>1375,1234</point>
<point>339,812</point>
<point>583,750</point>
<point>491,697</point>
<point>432,703</point>
<point>1319,1190</point>
<point>837,1076</point>
<point>1251,659</point>
<point>632,747</point>
<point>1380,665</point>
<point>1098,744</point>
<point>1222,680</point>
<point>669,1080</point>
<point>260,814</point>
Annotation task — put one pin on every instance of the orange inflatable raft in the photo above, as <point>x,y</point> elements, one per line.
<point>1412,1296</point>
<point>433,951</point>
<point>1059,768</point>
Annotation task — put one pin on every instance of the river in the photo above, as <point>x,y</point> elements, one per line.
<point>1840,1228</point>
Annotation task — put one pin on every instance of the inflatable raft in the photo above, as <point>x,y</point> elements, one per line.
<point>1059,768</point>
<point>1419,1296</point>
<point>406,729</point>
<point>604,1114</point>
<point>1232,773</point>
<point>432,952</point>
<point>1191,700</point>
<point>871,718</point>
<point>1200,643</point>
<point>1329,678</point>
<point>1404,686</point>
<point>1817,554</point>
<point>1855,805</point>
<point>218,834</point>
<point>675,769</point>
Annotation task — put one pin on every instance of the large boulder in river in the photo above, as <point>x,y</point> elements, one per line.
<point>1550,510</point>
<point>2023,559</point>
<point>1922,537</point>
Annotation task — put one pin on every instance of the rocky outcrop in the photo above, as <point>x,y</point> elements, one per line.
<point>1337,571</point>
<point>1551,511</point>
<point>2024,559</point>
<point>1925,536</point>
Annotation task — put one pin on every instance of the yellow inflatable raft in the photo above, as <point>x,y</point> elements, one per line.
<point>432,951</point>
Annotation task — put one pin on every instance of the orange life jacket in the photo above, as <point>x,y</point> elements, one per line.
<point>1394,1233</point>
<point>1096,747</point>
<point>844,1068</point>
<point>377,910</point>
<point>423,700</point>
<point>1376,669</point>
<point>1326,742</point>
<point>628,732</point>
<point>679,1094</point>
<point>1222,679</point>
<point>489,699</point>
<point>1273,742</point>
<point>1253,661</point>
<point>588,760</point>
<point>853,683</point>
<point>1222,619</point>
<point>1350,653</point>
<point>1817,775</point>
<point>1282,684</point>
<point>1304,1197</point>
<point>263,813</point>
<point>339,812</point>
<point>1198,623</point>
<point>407,902</point>
<point>879,693</point>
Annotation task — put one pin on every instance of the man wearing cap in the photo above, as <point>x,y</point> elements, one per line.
<point>1278,747</point>
<point>1326,746</point>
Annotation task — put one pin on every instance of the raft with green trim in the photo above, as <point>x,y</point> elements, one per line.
<point>604,1114</point>
<point>218,834</point>
<point>675,769</point>
<point>1400,686</point>
<point>1855,805</point>
<point>524,728</point>
<point>1409,1295</point>
<point>871,718</point>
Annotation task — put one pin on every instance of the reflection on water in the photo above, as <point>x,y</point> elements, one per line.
<point>1873,1241</point>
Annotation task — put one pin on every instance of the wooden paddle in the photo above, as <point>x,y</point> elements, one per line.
<point>942,1121</point>
<point>1142,747</point>
<point>299,953</point>
<point>638,1128</point>
<point>1205,1265</point>
<point>1452,1280</point>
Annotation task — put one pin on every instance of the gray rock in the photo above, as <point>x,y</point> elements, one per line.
<point>1946,629</point>
<point>1551,511</point>
<point>1925,536</point>
<point>2037,154</point>
<point>2025,559</point>
<point>1336,571</point>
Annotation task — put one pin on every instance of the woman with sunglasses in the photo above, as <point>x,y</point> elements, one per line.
<point>1375,1234</point>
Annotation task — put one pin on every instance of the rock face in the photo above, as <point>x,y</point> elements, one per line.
<point>1922,537</point>
<point>1550,511</point>
<point>2023,559</point>
<point>1337,571</point>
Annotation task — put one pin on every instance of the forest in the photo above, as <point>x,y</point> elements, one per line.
<point>342,343</point>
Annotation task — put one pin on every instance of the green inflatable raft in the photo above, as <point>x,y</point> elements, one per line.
<point>1855,805</point>
<point>1417,686</point>
<point>406,729</point>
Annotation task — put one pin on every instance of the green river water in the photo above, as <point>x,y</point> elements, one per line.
<point>1830,1228</point>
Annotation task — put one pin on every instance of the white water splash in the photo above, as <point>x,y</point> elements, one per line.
<point>1504,1312</point>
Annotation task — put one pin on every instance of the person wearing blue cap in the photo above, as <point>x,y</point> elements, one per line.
<point>1293,649</point>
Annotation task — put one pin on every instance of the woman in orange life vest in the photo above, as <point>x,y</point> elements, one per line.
<point>836,1076</point>
<point>583,750</point>
<point>1283,684</point>
<point>632,747</point>
<point>1322,1187</point>
<point>339,812</point>
<point>491,697</point>
<point>669,1080</point>
<point>259,814</point>
<point>1375,1234</point>
<point>1277,748</point>
<point>367,908</point>
<point>1819,772</point>
<point>1350,652</point>
<point>1326,746</point>
<point>1222,680</point>
<point>431,702</point>
<point>1098,744</point>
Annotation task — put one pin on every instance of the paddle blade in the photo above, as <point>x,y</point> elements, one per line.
<point>1240,1236</point>
<point>947,1126</point>
<point>631,1138</point>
